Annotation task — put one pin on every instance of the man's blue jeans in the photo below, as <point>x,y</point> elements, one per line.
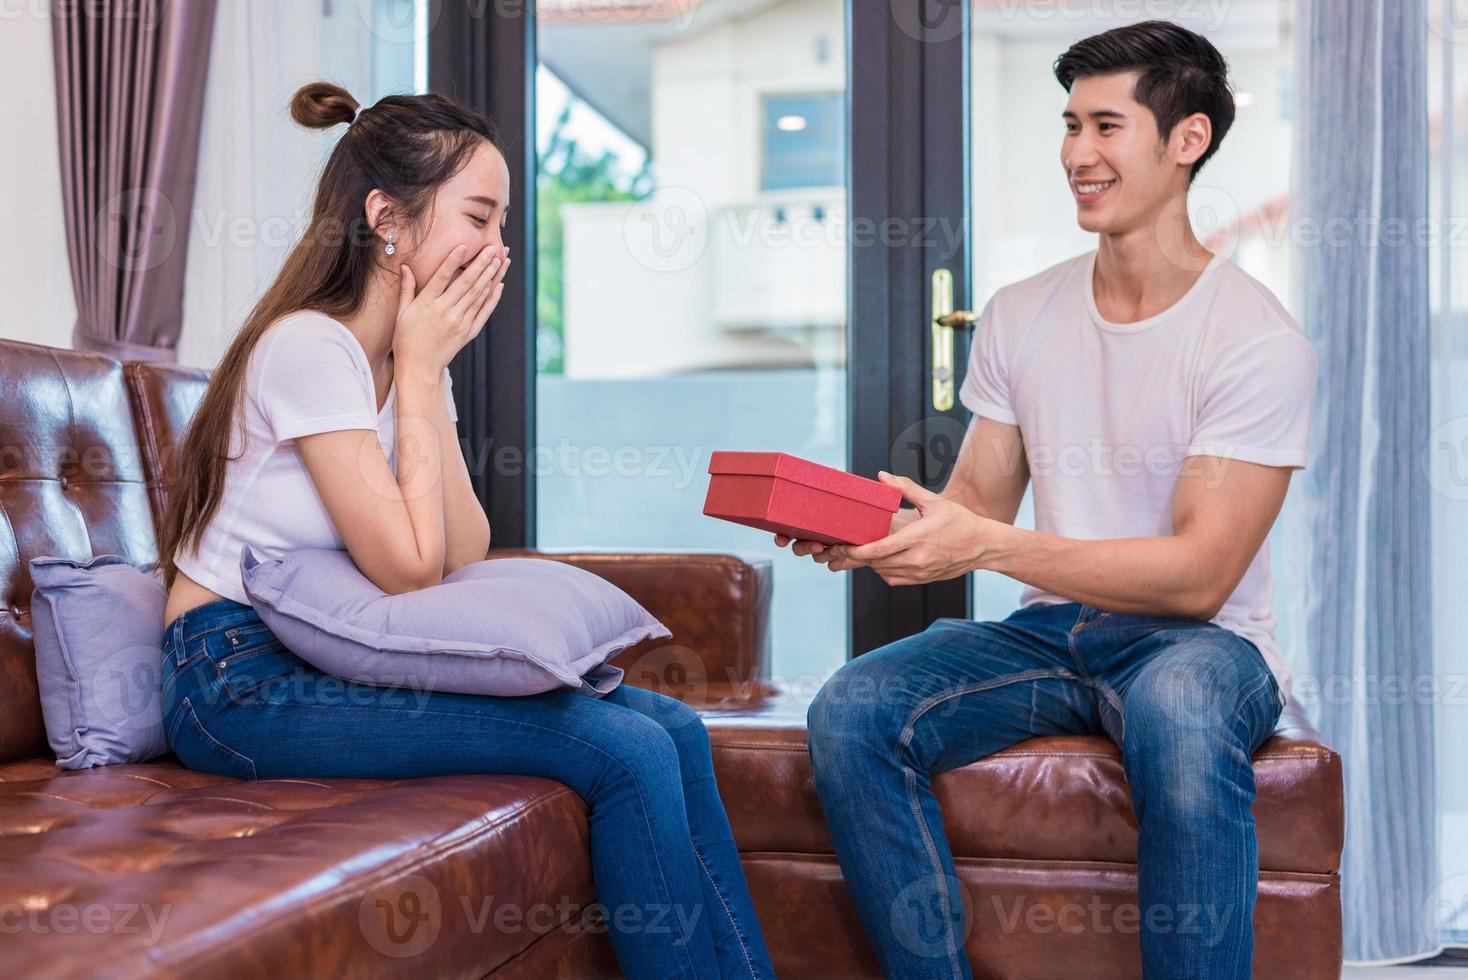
<point>1188,702</point>
<point>237,703</point>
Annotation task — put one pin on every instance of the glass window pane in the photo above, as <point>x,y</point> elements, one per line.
<point>1447,445</point>
<point>691,298</point>
<point>805,140</point>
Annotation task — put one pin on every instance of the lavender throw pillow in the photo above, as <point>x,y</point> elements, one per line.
<point>98,628</point>
<point>503,626</point>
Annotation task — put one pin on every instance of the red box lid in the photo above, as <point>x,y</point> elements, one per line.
<point>783,466</point>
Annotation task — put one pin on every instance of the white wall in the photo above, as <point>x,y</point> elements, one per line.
<point>35,278</point>
<point>257,169</point>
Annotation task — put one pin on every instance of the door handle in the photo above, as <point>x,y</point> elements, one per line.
<point>945,320</point>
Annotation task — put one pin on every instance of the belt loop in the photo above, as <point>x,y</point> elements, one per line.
<point>180,655</point>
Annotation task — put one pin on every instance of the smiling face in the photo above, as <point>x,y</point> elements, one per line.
<point>1119,169</point>
<point>468,209</point>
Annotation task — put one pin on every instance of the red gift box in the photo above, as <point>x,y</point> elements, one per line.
<point>788,495</point>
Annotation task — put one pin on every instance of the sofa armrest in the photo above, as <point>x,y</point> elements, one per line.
<point>717,605</point>
<point>1298,749</point>
<point>164,398</point>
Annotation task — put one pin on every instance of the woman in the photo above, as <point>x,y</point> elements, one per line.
<point>340,372</point>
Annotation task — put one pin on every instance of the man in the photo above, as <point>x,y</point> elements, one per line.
<point>1158,398</point>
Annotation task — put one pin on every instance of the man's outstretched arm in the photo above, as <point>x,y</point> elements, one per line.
<point>989,478</point>
<point>1222,512</point>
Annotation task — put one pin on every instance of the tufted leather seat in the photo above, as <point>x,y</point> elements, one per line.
<point>189,874</point>
<point>194,874</point>
<point>1047,822</point>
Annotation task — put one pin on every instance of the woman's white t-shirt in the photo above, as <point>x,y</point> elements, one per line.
<point>1109,411</point>
<point>307,374</point>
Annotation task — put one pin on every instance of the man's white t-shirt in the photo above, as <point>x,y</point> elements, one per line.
<point>1108,411</point>
<point>307,374</point>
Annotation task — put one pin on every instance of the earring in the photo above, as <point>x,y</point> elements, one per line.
<point>391,248</point>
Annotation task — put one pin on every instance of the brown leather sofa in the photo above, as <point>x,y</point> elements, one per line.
<point>152,869</point>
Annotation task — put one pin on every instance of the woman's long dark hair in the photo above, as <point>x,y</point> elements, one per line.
<point>406,146</point>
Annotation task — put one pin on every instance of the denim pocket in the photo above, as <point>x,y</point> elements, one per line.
<point>238,641</point>
<point>199,750</point>
<point>178,662</point>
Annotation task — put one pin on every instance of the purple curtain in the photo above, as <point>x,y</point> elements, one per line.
<point>130,80</point>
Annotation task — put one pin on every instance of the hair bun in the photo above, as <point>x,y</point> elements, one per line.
<point>321,105</point>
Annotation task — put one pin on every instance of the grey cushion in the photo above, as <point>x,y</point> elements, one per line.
<point>503,626</point>
<point>98,628</point>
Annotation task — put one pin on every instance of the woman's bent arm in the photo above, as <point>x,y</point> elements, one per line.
<point>392,525</point>
<point>466,528</point>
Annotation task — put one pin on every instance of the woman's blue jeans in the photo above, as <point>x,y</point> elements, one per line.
<point>1188,703</point>
<point>237,703</point>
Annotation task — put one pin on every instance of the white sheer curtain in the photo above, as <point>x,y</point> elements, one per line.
<point>257,168</point>
<point>1386,497</point>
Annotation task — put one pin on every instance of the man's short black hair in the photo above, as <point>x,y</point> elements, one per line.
<point>1181,73</point>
